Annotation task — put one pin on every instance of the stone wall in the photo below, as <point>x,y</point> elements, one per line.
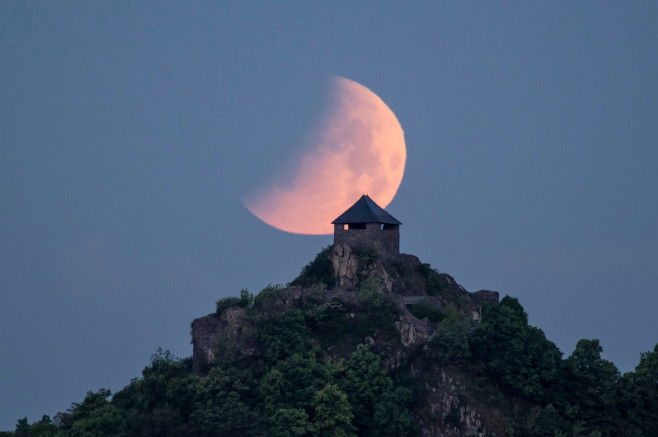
<point>384,239</point>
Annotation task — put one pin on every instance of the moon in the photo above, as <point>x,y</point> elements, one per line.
<point>357,147</point>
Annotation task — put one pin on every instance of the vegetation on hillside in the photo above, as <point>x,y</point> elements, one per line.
<point>318,271</point>
<point>315,376</point>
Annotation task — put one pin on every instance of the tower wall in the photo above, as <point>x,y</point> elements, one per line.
<point>385,239</point>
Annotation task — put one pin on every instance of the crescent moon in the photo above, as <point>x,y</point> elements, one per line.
<point>357,148</point>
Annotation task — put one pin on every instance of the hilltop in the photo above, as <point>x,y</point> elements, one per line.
<point>370,342</point>
<point>369,346</point>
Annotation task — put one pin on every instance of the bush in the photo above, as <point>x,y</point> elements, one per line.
<point>226,302</point>
<point>379,311</point>
<point>268,296</point>
<point>318,271</point>
<point>425,309</point>
<point>435,284</point>
<point>246,299</point>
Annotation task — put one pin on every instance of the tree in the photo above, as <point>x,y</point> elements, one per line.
<point>95,415</point>
<point>224,403</point>
<point>293,383</point>
<point>641,396</point>
<point>365,383</point>
<point>333,414</point>
<point>289,422</point>
<point>518,357</point>
<point>592,390</point>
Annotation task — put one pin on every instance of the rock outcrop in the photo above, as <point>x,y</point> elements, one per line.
<point>446,411</point>
<point>345,265</point>
<point>228,332</point>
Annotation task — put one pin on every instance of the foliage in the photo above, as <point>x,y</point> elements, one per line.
<point>592,389</point>
<point>436,284</point>
<point>329,316</point>
<point>450,344</point>
<point>289,422</point>
<point>517,357</point>
<point>425,309</point>
<point>311,379</point>
<point>285,335</point>
<point>640,395</point>
<point>226,302</point>
<point>333,414</point>
<point>380,409</point>
<point>246,300</point>
<point>267,300</point>
<point>377,312</point>
<point>320,270</point>
<point>367,256</point>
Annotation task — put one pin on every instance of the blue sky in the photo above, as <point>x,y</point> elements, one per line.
<point>129,133</point>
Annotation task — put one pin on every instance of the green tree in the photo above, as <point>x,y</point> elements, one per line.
<point>641,396</point>
<point>285,335</point>
<point>246,299</point>
<point>225,403</point>
<point>293,382</point>
<point>289,422</point>
<point>365,383</point>
<point>518,357</point>
<point>378,408</point>
<point>592,390</point>
<point>94,416</point>
<point>378,311</point>
<point>161,402</point>
<point>333,413</point>
<point>450,343</point>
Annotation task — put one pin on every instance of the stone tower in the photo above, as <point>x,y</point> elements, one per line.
<point>365,225</point>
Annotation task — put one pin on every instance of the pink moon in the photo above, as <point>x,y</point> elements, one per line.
<point>357,148</point>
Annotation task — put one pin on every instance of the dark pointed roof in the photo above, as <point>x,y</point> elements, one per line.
<point>365,210</point>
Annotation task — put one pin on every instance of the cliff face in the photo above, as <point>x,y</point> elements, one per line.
<point>227,332</point>
<point>404,283</point>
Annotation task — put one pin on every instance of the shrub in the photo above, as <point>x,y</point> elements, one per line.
<point>318,271</point>
<point>379,311</point>
<point>367,256</point>
<point>435,282</point>
<point>246,299</point>
<point>226,302</point>
<point>268,296</point>
<point>425,309</point>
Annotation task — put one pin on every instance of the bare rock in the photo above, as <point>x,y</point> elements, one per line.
<point>231,327</point>
<point>413,331</point>
<point>446,413</point>
<point>485,296</point>
<point>345,265</point>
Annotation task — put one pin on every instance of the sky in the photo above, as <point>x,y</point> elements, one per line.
<point>130,132</point>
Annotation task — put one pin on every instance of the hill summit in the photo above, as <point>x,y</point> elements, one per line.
<point>364,345</point>
<point>370,342</point>
<point>349,299</point>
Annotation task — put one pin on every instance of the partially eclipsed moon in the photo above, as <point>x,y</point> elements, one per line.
<point>358,148</point>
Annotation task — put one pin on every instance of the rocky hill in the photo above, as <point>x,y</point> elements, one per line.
<point>347,284</point>
<point>363,345</point>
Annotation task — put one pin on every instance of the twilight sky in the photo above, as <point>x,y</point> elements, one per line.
<point>131,131</point>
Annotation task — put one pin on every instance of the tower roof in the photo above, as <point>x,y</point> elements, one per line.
<point>365,210</point>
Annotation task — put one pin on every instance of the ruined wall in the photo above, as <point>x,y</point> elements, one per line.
<point>385,241</point>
